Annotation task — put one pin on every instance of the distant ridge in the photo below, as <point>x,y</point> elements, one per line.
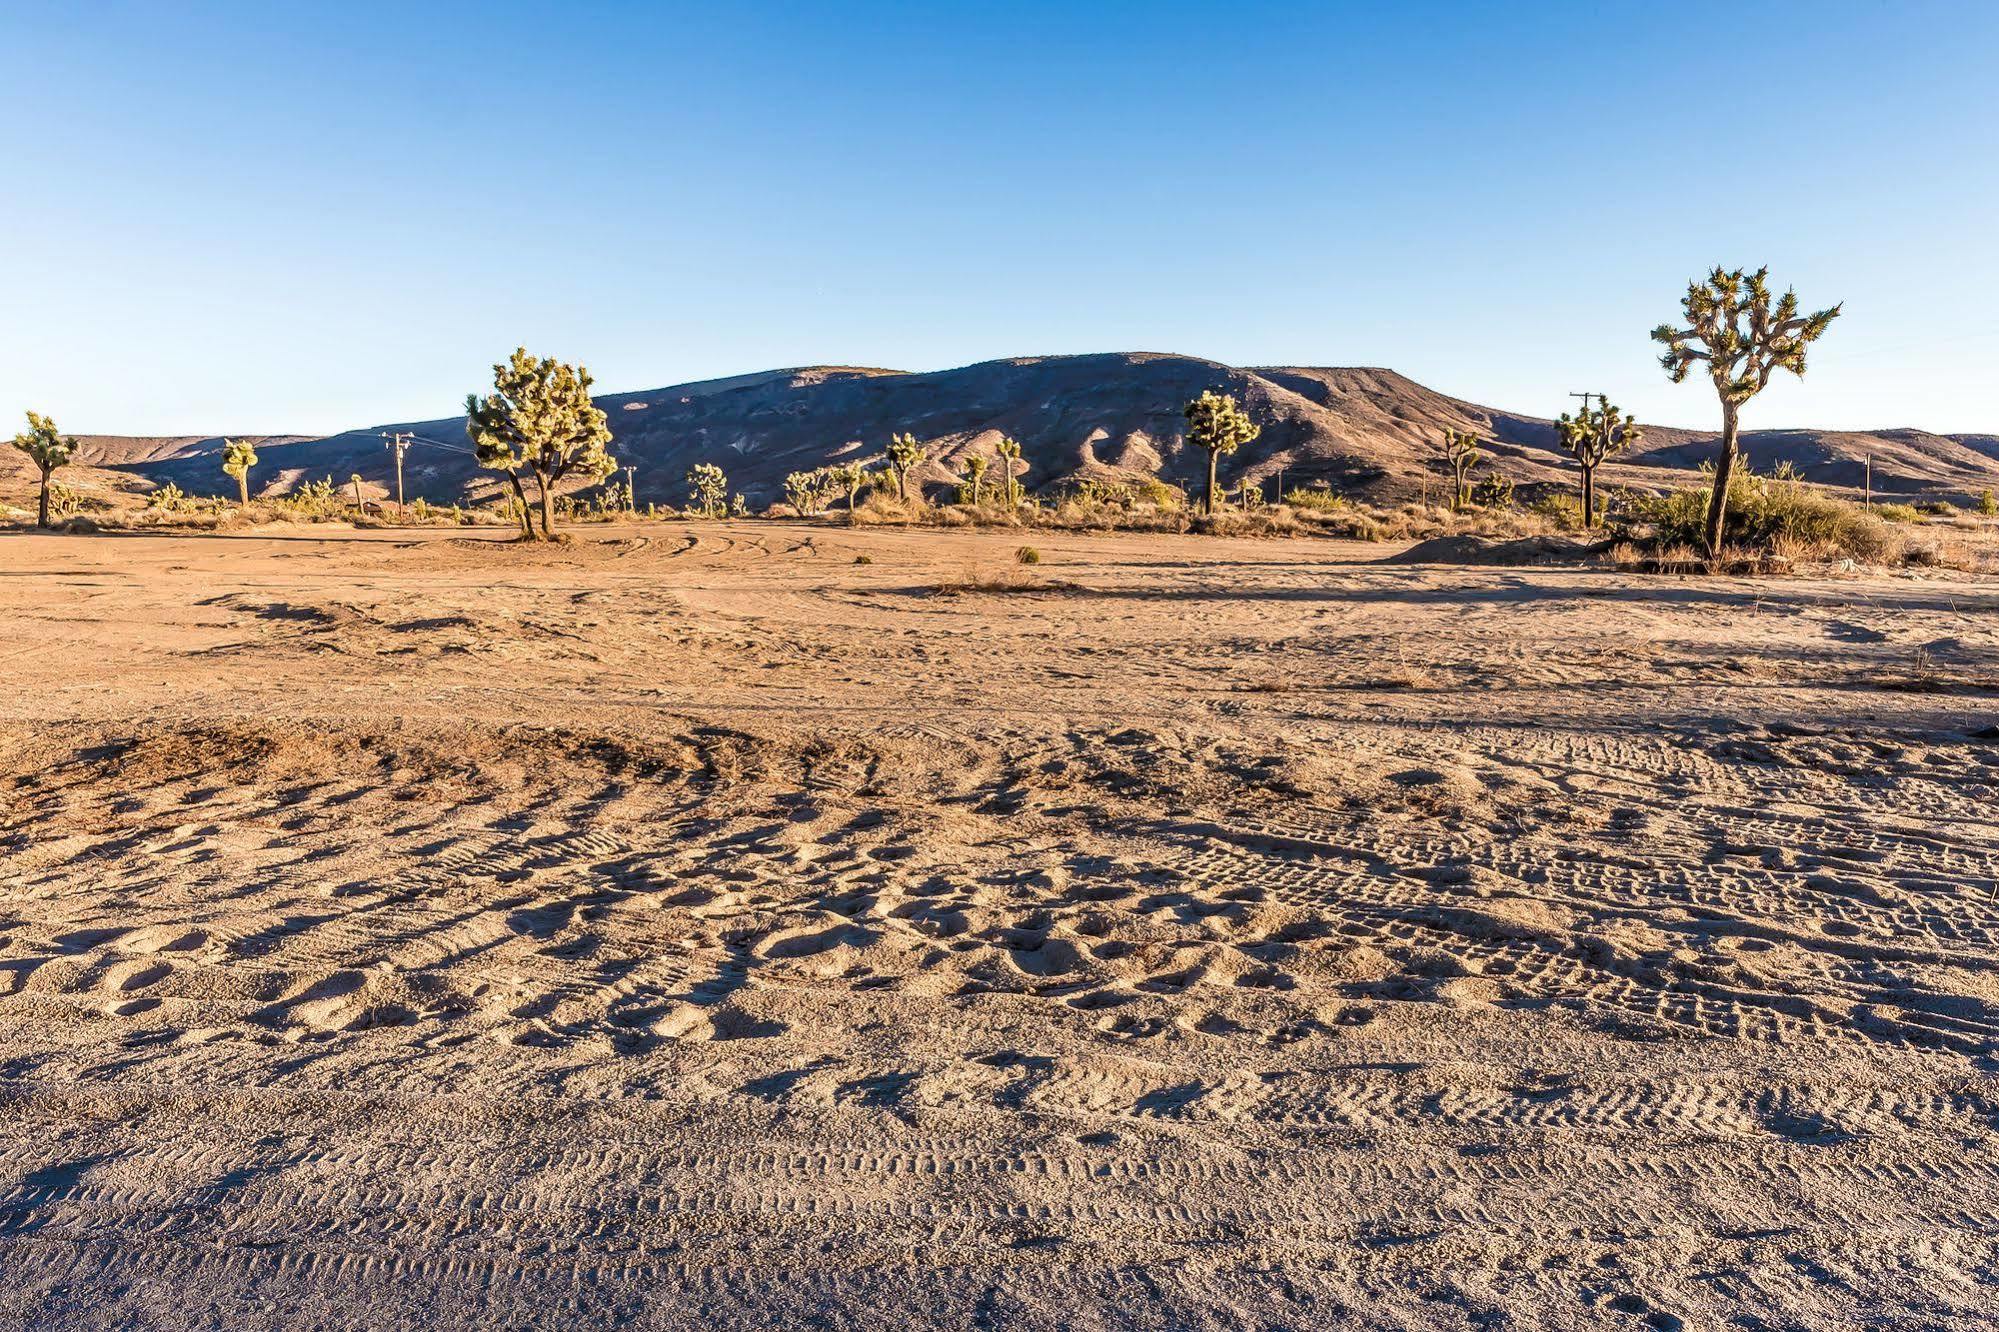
<point>1365,429</point>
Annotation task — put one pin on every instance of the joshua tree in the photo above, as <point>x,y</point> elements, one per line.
<point>1592,436</point>
<point>1008,450</point>
<point>539,418</point>
<point>806,491</point>
<point>904,454</point>
<point>1461,454</point>
<point>975,476</point>
<point>47,449</point>
<point>1732,327</point>
<point>1217,425</point>
<point>354,480</point>
<point>708,490</point>
<point>849,476</point>
<point>238,457</point>
<point>1493,491</point>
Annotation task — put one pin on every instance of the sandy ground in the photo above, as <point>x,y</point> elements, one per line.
<point>697,927</point>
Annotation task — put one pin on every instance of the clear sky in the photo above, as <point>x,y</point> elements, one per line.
<point>276,217</point>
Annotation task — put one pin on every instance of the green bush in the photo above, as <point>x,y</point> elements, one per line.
<point>1027,555</point>
<point>1493,491</point>
<point>1897,513</point>
<point>1988,503</point>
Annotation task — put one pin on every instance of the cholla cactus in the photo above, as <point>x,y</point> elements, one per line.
<point>1216,424</point>
<point>904,455</point>
<point>708,489</point>
<point>1733,330</point>
<point>1592,436</point>
<point>1008,450</point>
<point>48,449</point>
<point>539,419</point>
<point>1461,454</point>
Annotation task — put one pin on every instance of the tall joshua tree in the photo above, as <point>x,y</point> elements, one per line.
<point>48,449</point>
<point>1216,424</point>
<point>539,419</point>
<point>1461,454</point>
<point>904,454</point>
<point>238,457</point>
<point>1592,436</point>
<point>1008,450</point>
<point>1732,328</point>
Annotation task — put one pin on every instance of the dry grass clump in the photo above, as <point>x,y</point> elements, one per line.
<point>1774,521</point>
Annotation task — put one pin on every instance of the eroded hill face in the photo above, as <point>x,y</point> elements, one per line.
<point>1113,415</point>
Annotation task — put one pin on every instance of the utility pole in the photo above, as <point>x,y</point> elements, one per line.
<point>399,443</point>
<point>1869,502</point>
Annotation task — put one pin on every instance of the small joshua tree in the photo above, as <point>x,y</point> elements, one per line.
<point>975,477</point>
<point>904,455</point>
<point>1732,329</point>
<point>238,457</point>
<point>806,492</point>
<point>1008,450</point>
<point>850,477</point>
<point>539,419</point>
<point>708,490</point>
<point>48,449</point>
<point>1461,453</point>
<point>1493,491</point>
<point>1217,425</point>
<point>1590,437</point>
<point>1988,503</point>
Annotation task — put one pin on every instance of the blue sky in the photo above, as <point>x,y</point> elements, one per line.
<point>273,217</point>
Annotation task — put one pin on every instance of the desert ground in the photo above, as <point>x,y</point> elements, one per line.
<point>757,924</point>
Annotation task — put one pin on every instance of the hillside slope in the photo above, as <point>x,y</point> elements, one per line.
<point>1111,414</point>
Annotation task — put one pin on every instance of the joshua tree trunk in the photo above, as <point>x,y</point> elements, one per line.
<point>243,489</point>
<point>521,495</point>
<point>1589,497</point>
<point>1724,466</point>
<point>547,507</point>
<point>42,507</point>
<point>1208,500</point>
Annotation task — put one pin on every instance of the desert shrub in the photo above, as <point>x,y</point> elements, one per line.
<point>1897,513</point>
<point>169,498</point>
<point>1937,508</point>
<point>1766,513</point>
<point>1564,512</point>
<point>1493,491</point>
<point>1988,503</point>
<point>1316,499</point>
<point>1027,555</point>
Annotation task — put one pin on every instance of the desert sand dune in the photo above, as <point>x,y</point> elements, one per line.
<point>692,926</point>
